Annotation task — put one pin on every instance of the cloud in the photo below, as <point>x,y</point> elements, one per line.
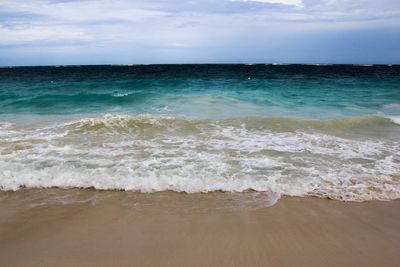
<point>298,3</point>
<point>40,31</point>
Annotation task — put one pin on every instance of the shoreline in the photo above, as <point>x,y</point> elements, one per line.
<point>55,227</point>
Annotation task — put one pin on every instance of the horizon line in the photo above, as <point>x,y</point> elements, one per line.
<point>158,64</point>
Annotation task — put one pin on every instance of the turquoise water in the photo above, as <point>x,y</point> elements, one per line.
<point>205,91</point>
<point>329,131</point>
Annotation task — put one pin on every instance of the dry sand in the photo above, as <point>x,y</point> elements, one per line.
<point>92,228</point>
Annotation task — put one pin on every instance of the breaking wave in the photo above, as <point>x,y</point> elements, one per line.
<point>352,159</point>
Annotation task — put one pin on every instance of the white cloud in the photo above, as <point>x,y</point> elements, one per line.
<point>177,29</point>
<point>298,3</point>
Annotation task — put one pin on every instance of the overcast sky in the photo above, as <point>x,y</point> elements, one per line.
<point>42,32</point>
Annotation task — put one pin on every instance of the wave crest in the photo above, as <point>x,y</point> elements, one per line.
<point>351,159</point>
<point>128,123</point>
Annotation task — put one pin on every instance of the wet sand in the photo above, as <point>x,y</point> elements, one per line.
<point>92,228</point>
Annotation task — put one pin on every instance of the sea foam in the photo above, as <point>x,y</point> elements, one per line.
<point>395,119</point>
<point>337,159</point>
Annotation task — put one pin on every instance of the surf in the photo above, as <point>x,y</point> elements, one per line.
<point>146,153</point>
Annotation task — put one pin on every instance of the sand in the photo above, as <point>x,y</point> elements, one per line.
<point>91,228</point>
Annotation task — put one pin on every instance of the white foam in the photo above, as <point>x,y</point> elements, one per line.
<point>120,94</point>
<point>395,119</point>
<point>147,154</point>
<point>6,125</point>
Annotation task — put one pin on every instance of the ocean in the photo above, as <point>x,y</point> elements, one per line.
<point>331,131</point>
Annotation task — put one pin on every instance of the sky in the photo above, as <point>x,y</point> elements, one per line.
<point>63,32</point>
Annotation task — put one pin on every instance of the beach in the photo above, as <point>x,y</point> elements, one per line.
<point>200,165</point>
<point>54,227</point>
<point>200,133</point>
